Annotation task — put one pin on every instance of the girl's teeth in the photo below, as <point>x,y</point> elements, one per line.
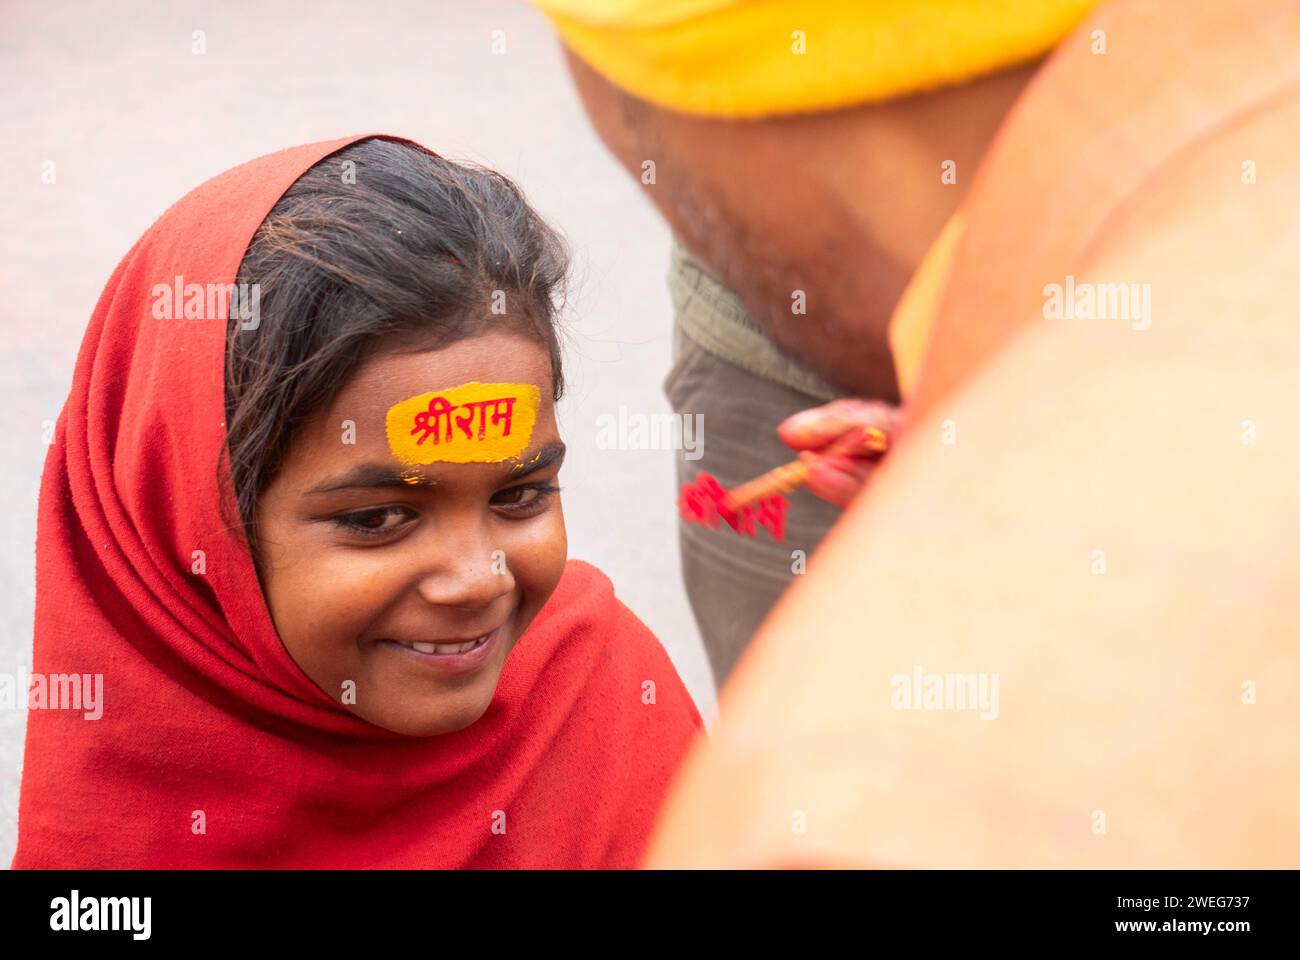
<point>445,647</point>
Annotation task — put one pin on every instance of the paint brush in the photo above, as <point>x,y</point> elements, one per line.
<point>791,476</point>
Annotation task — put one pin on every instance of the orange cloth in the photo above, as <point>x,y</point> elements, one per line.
<point>913,318</point>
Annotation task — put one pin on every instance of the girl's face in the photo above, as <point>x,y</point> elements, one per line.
<point>372,567</point>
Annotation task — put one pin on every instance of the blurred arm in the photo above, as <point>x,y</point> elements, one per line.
<point>1149,690</point>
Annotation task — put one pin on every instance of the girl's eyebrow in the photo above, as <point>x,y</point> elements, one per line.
<point>373,475</point>
<point>542,459</point>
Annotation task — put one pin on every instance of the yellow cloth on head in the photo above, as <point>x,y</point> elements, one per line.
<point>754,58</point>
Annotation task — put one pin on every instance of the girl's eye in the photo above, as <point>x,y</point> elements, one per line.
<point>376,521</point>
<point>525,498</point>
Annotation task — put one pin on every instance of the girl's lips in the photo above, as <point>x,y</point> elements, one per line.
<point>448,657</point>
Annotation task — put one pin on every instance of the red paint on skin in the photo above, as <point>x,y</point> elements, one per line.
<point>704,502</point>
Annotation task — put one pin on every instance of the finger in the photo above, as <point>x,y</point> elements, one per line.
<point>835,479</point>
<point>809,429</point>
<point>817,428</point>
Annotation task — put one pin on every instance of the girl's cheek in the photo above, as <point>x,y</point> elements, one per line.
<point>323,591</point>
<point>537,553</point>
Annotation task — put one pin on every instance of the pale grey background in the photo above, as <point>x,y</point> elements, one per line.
<point>112,93</point>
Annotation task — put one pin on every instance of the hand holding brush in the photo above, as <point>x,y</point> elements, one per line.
<point>838,443</point>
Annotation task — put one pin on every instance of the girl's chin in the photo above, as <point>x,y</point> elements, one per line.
<point>429,726</point>
<point>425,713</point>
<point>442,728</point>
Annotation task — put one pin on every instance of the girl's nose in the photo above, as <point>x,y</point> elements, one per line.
<point>476,580</point>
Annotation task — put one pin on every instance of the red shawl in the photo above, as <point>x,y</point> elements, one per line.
<point>204,710</point>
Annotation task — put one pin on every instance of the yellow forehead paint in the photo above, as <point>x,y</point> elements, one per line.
<point>473,423</point>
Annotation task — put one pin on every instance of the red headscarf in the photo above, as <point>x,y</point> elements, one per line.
<point>204,710</point>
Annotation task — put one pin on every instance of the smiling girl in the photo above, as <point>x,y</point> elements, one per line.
<point>313,544</point>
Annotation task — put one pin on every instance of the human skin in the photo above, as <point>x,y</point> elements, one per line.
<point>840,204</point>
<point>425,573</point>
<point>836,473</point>
<point>1158,690</point>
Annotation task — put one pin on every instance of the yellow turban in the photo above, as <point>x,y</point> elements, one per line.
<point>752,58</point>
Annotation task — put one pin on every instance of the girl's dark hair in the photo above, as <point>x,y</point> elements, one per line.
<point>379,246</point>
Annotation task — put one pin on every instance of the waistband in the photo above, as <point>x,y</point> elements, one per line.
<point>713,317</point>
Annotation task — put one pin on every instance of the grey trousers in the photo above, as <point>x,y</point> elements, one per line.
<point>726,369</point>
